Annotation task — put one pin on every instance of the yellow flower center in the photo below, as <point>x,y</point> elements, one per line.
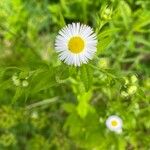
<point>76,44</point>
<point>114,123</point>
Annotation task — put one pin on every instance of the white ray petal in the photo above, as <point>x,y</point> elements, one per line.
<point>90,42</point>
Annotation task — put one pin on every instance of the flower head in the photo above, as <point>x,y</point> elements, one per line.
<point>76,44</point>
<point>114,123</point>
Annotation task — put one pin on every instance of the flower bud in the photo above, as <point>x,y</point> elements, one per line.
<point>25,83</point>
<point>124,94</point>
<point>103,63</point>
<point>134,79</point>
<point>106,13</point>
<point>126,80</point>
<point>14,77</point>
<point>16,80</point>
<point>132,89</point>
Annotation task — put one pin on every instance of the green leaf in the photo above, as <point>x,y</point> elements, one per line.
<point>85,96</point>
<point>84,107</point>
<point>6,84</point>
<point>42,80</point>
<point>62,20</point>
<point>141,93</point>
<point>69,107</point>
<point>121,144</point>
<point>86,75</point>
<point>143,41</point>
<point>107,32</point>
<point>125,12</point>
<point>74,124</point>
<point>103,44</point>
<point>18,93</point>
<point>72,71</point>
<point>142,20</point>
<point>62,72</point>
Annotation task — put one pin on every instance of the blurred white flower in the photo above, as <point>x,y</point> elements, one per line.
<point>114,123</point>
<point>76,44</point>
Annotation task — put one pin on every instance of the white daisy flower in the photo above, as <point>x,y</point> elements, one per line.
<point>114,123</point>
<point>76,44</point>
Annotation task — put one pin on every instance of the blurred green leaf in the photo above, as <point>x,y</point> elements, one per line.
<point>86,75</point>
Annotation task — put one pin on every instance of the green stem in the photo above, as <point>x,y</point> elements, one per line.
<point>43,102</point>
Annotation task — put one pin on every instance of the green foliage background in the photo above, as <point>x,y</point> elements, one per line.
<point>47,105</point>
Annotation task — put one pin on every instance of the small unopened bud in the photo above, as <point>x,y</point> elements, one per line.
<point>34,115</point>
<point>14,77</point>
<point>124,94</point>
<point>103,63</point>
<point>132,89</point>
<point>134,79</point>
<point>25,83</point>
<point>107,12</point>
<point>126,80</point>
<point>17,82</point>
<point>100,120</point>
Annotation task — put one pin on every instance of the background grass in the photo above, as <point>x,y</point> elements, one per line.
<point>47,105</point>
